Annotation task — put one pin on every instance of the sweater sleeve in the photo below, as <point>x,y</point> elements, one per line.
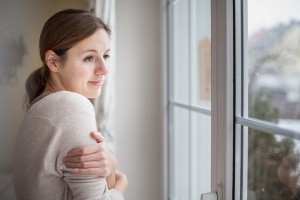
<point>71,132</point>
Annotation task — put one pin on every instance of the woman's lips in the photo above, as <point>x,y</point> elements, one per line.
<point>97,82</point>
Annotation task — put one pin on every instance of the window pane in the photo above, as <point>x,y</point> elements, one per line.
<point>274,61</point>
<point>201,51</point>
<point>201,154</point>
<point>179,155</point>
<point>273,167</point>
<point>179,51</point>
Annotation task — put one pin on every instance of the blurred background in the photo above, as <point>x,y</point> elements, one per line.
<point>160,43</point>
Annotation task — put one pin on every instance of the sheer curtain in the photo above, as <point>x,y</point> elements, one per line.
<point>105,104</point>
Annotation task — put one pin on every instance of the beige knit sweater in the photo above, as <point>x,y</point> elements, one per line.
<point>52,126</point>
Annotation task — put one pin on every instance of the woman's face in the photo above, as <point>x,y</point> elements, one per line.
<point>86,65</point>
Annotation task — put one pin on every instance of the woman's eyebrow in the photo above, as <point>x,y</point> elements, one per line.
<point>93,50</point>
<point>89,50</point>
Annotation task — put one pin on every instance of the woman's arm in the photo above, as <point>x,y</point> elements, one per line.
<point>74,119</point>
<point>116,179</point>
<point>94,160</point>
<point>82,187</point>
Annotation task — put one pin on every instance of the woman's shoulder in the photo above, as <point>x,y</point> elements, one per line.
<point>69,98</point>
<point>63,102</point>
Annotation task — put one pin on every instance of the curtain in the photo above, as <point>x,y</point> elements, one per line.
<point>105,104</point>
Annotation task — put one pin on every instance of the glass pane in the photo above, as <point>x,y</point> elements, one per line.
<point>201,155</point>
<point>201,51</point>
<point>180,52</point>
<point>274,61</point>
<point>179,155</point>
<point>273,167</point>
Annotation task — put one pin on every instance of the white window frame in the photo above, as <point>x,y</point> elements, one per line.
<point>222,97</point>
<point>171,103</point>
<point>222,112</point>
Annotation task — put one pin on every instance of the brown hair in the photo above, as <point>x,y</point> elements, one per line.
<point>60,33</point>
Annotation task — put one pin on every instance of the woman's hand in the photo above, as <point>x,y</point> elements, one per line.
<point>121,182</point>
<point>92,160</point>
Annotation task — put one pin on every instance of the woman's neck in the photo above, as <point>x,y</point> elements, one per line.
<point>51,88</point>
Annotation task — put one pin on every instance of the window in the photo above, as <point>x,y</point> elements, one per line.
<point>268,99</point>
<point>234,98</point>
<point>189,99</point>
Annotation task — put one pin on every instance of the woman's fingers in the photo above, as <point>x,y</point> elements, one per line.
<point>97,136</point>
<point>93,171</point>
<point>89,149</point>
<point>86,165</point>
<point>86,150</point>
<point>92,160</point>
<point>87,158</point>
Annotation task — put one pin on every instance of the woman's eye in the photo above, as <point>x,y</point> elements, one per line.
<point>88,59</point>
<point>106,57</point>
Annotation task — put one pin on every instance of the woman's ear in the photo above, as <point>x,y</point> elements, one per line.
<point>52,60</point>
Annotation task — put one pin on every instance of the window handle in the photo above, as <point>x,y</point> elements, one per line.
<point>213,195</point>
<point>209,196</point>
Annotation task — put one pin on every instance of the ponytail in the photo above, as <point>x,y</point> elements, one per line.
<point>36,83</point>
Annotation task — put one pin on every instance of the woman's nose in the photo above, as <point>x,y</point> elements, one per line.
<point>101,68</point>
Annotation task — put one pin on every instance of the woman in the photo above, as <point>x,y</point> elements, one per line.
<point>74,49</point>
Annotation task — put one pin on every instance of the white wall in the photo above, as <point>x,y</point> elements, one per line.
<point>139,97</point>
<point>28,18</point>
<point>11,96</point>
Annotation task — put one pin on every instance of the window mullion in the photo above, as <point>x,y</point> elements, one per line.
<point>190,97</point>
<point>241,104</point>
<point>222,96</point>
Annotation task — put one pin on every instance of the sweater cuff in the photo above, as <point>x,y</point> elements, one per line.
<point>117,194</point>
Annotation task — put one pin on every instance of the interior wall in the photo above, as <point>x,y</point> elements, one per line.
<point>139,97</point>
<point>24,18</point>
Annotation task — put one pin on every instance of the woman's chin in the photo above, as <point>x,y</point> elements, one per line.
<point>94,96</point>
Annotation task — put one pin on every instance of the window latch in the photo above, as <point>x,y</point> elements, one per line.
<point>213,195</point>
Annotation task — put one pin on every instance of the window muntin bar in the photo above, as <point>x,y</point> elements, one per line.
<point>267,127</point>
<point>199,109</point>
